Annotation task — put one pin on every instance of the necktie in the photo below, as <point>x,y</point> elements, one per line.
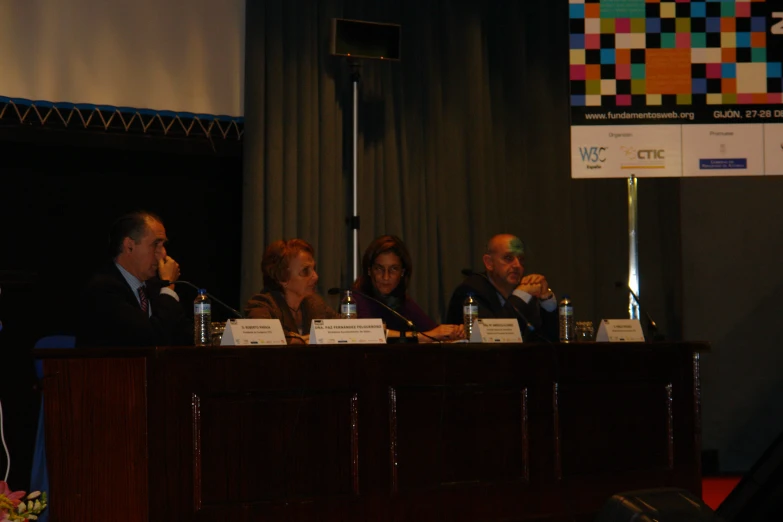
<point>145,304</point>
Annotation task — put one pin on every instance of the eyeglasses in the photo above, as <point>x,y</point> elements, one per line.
<point>393,270</point>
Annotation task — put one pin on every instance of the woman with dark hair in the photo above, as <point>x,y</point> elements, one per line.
<point>386,274</point>
<point>289,294</point>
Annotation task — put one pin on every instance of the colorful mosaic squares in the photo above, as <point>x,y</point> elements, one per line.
<point>699,52</point>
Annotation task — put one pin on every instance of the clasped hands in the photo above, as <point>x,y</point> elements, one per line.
<point>535,285</point>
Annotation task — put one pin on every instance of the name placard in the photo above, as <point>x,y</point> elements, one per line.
<point>253,332</point>
<point>496,331</point>
<point>620,330</point>
<point>347,331</point>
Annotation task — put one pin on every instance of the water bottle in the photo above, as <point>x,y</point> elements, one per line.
<point>565,315</point>
<point>202,319</point>
<point>469,314</point>
<point>348,306</point>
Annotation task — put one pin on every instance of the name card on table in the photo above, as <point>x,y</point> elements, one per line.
<point>496,331</point>
<point>253,332</point>
<point>347,331</point>
<point>620,330</point>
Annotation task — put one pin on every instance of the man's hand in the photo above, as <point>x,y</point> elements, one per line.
<point>168,269</point>
<point>534,284</point>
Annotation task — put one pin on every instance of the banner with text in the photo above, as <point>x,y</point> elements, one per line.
<point>676,88</point>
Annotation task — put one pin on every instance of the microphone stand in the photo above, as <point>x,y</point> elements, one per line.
<point>218,301</point>
<point>404,338</point>
<point>652,328</point>
<point>529,328</point>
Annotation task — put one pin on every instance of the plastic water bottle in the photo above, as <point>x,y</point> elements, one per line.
<point>469,314</point>
<point>565,314</point>
<point>348,306</point>
<point>202,319</point>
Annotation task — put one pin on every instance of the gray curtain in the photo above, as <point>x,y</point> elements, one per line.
<point>465,137</point>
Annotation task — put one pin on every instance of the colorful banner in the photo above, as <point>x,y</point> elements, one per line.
<point>711,72</point>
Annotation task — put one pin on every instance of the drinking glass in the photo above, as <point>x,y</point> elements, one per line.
<point>217,332</point>
<point>584,331</point>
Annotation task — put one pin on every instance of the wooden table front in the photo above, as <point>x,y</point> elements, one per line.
<point>354,433</point>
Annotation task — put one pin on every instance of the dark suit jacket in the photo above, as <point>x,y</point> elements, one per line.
<point>489,305</point>
<point>109,315</point>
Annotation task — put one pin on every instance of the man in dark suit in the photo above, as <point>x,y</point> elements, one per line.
<point>125,303</point>
<point>503,291</point>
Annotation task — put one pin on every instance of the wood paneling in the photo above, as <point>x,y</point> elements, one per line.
<point>96,438</point>
<point>451,432</point>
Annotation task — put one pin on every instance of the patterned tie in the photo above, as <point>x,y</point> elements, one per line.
<point>145,305</point>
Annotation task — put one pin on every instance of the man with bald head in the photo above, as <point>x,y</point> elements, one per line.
<point>504,291</point>
<point>126,302</point>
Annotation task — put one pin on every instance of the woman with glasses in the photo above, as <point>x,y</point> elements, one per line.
<point>386,274</point>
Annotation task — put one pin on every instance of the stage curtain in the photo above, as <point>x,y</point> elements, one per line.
<point>467,136</point>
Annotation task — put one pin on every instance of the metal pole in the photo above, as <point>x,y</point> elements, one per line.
<point>355,220</point>
<point>633,247</point>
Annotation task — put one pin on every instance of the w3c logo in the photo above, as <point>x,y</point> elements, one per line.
<point>592,154</point>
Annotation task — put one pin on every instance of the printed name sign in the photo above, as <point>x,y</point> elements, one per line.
<point>347,331</point>
<point>253,332</point>
<point>620,330</point>
<point>496,331</point>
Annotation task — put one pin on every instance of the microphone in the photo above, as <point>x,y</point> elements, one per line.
<point>166,282</point>
<point>408,322</point>
<point>652,328</point>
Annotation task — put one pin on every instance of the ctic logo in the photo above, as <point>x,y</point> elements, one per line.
<point>643,158</point>
<point>651,154</point>
<point>632,153</point>
<point>592,154</point>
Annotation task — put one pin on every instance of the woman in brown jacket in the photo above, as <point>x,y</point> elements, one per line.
<point>289,293</point>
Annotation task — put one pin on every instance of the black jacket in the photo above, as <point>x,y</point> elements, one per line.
<point>486,295</point>
<point>109,315</point>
